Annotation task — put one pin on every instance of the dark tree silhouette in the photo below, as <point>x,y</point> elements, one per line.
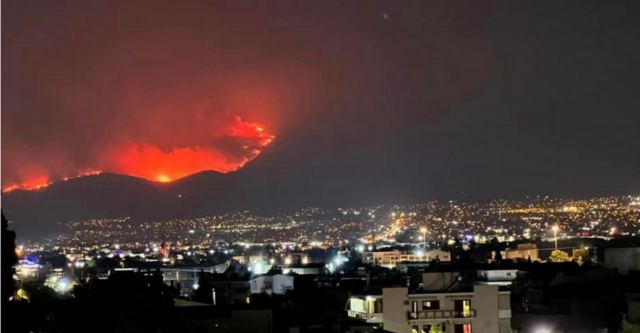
<point>9,259</point>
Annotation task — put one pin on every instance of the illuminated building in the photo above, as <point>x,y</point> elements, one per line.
<point>29,270</point>
<point>497,277</point>
<point>367,308</point>
<point>443,299</point>
<point>525,251</point>
<point>483,309</point>
<point>390,259</point>
<point>308,269</point>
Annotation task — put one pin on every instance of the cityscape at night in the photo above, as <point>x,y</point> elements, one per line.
<point>445,222</point>
<point>287,166</point>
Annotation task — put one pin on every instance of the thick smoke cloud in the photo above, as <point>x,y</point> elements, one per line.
<point>161,89</point>
<point>146,89</point>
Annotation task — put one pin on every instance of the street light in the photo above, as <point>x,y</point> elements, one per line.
<point>555,235</point>
<point>423,230</point>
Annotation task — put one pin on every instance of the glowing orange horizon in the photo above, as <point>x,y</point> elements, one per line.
<point>43,181</point>
<point>148,161</point>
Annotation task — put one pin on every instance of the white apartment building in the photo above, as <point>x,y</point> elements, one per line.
<point>443,300</point>
<point>485,309</point>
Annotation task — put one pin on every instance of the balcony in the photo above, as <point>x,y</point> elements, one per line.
<point>368,317</point>
<point>441,314</point>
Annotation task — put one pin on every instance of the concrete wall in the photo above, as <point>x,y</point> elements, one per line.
<point>282,283</point>
<point>504,301</point>
<point>485,303</point>
<point>394,309</point>
<point>437,281</point>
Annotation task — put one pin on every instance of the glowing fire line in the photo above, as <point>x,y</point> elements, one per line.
<point>151,156</point>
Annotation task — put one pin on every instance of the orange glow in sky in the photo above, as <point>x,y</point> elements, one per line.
<point>36,183</point>
<point>163,178</point>
<point>244,141</point>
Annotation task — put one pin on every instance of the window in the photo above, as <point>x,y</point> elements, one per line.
<point>430,305</point>
<point>466,309</point>
<point>463,307</point>
<point>414,306</point>
<point>462,328</point>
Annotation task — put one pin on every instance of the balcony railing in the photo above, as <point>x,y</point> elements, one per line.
<point>442,314</point>
<point>360,315</point>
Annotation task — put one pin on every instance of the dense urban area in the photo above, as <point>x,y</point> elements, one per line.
<point>536,265</point>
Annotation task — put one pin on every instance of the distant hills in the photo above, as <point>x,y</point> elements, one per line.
<point>269,184</point>
<point>112,195</point>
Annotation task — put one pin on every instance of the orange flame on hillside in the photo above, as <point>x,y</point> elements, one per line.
<point>146,160</point>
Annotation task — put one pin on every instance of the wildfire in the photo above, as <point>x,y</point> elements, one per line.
<point>41,182</point>
<point>83,174</point>
<point>152,163</point>
<point>163,179</point>
<point>32,185</point>
<point>146,160</point>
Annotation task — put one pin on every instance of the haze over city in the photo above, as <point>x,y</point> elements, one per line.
<point>401,101</point>
<point>320,166</point>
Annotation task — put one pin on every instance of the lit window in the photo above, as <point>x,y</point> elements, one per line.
<point>466,309</point>
<point>430,305</point>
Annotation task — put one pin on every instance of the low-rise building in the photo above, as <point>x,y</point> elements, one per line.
<point>367,308</point>
<point>524,251</point>
<point>29,270</point>
<point>498,277</point>
<point>304,269</point>
<point>390,259</point>
<point>270,284</point>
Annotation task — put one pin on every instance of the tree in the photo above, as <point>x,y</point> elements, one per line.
<point>581,255</point>
<point>9,259</point>
<point>435,328</point>
<point>495,248</point>
<point>559,256</point>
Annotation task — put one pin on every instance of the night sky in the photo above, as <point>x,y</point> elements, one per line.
<point>392,100</point>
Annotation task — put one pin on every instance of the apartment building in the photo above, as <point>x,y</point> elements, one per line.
<point>485,309</point>
<point>443,300</point>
